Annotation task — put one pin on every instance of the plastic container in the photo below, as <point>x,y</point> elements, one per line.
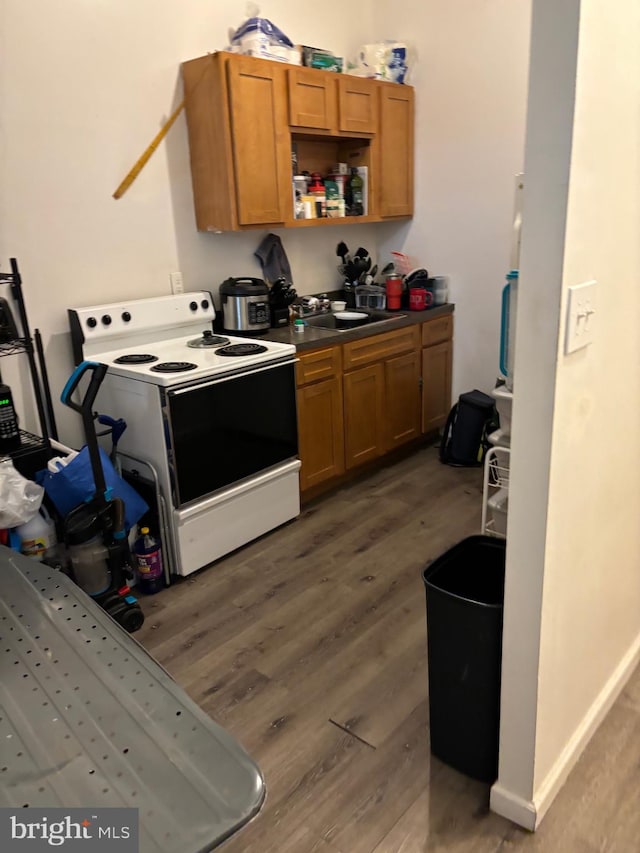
<point>439,286</point>
<point>148,554</point>
<point>498,505</point>
<point>37,535</point>
<point>508,327</point>
<point>504,402</point>
<point>465,596</point>
<point>89,565</point>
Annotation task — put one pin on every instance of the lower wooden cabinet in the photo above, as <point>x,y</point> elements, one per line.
<point>320,432</point>
<point>363,414</point>
<point>402,422</point>
<point>364,399</point>
<point>436,384</point>
<point>437,356</point>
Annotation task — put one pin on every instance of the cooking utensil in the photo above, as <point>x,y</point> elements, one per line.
<point>374,270</point>
<point>342,251</point>
<point>388,268</point>
<point>361,253</point>
<point>415,275</point>
<point>245,305</point>
<point>350,319</point>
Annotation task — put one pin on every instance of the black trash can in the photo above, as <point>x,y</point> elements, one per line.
<point>465,596</point>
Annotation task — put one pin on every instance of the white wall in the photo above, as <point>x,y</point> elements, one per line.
<point>574,537</point>
<point>84,87</point>
<point>471,94</point>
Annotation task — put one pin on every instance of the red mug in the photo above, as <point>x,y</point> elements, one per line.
<point>394,292</point>
<point>419,298</point>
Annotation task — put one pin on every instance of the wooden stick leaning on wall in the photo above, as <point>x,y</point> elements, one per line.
<point>142,161</point>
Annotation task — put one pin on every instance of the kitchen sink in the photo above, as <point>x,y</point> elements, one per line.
<point>328,321</point>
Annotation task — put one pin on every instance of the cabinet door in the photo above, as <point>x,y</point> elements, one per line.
<point>402,399</point>
<point>396,150</point>
<point>436,385</point>
<point>260,140</point>
<point>358,107</point>
<point>320,432</point>
<point>312,99</point>
<point>363,408</point>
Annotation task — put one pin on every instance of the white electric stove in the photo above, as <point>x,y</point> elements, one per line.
<point>213,416</point>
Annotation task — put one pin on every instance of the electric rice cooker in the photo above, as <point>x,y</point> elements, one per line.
<point>245,305</point>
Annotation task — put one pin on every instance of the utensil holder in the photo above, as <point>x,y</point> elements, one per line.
<point>279,317</point>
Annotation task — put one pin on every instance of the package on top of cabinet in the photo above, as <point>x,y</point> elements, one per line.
<point>316,57</point>
<point>382,60</point>
<point>260,37</point>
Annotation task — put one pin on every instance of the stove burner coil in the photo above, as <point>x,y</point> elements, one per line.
<point>208,340</point>
<point>173,366</point>
<point>241,349</point>
<point>136,358</point>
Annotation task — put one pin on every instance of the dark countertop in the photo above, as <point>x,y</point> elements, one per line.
<point>313,338</point>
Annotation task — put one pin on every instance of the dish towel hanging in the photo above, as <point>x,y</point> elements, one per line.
<point>273,258</point>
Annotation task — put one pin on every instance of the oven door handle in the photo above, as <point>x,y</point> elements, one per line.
<point>229,377</point>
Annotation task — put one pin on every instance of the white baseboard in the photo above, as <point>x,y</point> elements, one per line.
<point>557,776</point>
<point>514,808</point>
<point>529,813</point>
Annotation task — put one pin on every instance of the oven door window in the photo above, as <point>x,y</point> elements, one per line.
<point>224,430</point>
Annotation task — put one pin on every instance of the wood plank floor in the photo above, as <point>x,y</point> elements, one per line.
<point>309,646</point>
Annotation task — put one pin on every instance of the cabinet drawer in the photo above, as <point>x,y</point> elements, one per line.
<point>367,350</point>
<point>318,364</point>
<point>437,331</point>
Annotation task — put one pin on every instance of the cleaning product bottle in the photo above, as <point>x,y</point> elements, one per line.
<point>149,558</point>
<point>37,535</point>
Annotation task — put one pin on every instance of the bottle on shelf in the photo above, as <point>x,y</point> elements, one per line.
<point>356,192</point>
<point>148,553</point>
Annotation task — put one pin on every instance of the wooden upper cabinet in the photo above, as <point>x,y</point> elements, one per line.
<point>357,104</point>
<point>261,141</point>
<point>396,150</point>
<point>313,99</point>
<point>241,112</point>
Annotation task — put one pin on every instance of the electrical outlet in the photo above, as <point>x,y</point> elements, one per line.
<point>175,279</point>
<point>581,307</point>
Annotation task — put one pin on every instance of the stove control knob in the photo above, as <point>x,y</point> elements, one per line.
<point>106,320</point>
<point>92,322</point>
<point>205,304</point>
<point>193,306</point>
<point>126,316</point>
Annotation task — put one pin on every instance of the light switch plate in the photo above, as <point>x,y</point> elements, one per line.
<point>581,312</point>
<point>175,280</point>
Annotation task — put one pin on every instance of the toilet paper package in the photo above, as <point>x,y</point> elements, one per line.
<point>383,60</point>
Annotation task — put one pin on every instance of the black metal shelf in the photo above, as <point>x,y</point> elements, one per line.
<point>14,347</point>
<point>32,446</point>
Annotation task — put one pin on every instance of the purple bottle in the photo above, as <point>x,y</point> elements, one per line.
<point>149,558</point>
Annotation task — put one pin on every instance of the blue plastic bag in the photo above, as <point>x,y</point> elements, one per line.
<point>73,485</point>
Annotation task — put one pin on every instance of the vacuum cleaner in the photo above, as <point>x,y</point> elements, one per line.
<point>94,532</point>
